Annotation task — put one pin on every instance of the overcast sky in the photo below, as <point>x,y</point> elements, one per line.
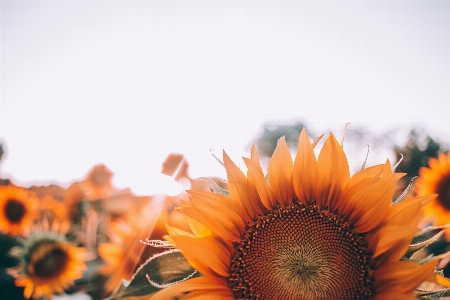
<point>125,83</point>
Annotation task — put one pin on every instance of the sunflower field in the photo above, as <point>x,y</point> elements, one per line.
<point>295,224</point>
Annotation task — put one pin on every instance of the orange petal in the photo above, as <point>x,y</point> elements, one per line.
<point>237,186</point>
<point>368,203</point>
<point>402,276</point>
<point>257,178</point>
<point>392,243</point>
<point>205,253</point>
<point>219,223</point>
<point>219,294</point>
<point>316,141</point>
<point>179,289</point>
<point>217,202</point>
<point>394,296</point>
<point>371,172</point>
<point>333,171</point>
<point>279,172</point>
<point>224,215</point>
<point>254,155</point>
<point>305,173</point>
<point>175,231</point>
<point>407,212</point>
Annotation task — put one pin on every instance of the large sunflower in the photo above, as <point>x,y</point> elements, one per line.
<point>436,180</point>
<point>18,209</point>
<point>308,231</point>
<point>49,264</point>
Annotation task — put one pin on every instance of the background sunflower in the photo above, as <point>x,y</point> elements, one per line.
<point>48,264</point>
<point>18,209</point>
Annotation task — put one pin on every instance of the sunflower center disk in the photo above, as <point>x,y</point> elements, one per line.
<point>443,189</point>
<point>14,210</point>
<point>51,264</point>
<point>301,252</point>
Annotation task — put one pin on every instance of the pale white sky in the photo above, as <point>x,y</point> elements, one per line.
<point>125,83</point>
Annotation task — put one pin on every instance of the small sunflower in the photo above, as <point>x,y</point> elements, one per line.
<point>308,231</point>
<point>98,183</point>
<point>436,180</point>
<point>18,209</point>
<point>48,264</point>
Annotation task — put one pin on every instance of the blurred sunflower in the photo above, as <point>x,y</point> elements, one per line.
<point>48,264</point>
<point>436,180</point>
<point>123,253</point>
<point>73,197</point>
<point>52,209</point>
<point>98,183</point>
<point>310,231</point>
<point>18,209</point>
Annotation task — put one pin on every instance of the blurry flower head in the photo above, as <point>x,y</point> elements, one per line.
<point>436,180</point>
<point>52,209</point>
<point>124,252</point>
<point>48,264</point>
<point>98,183</point>
<point>73,196</point>
<point>18,209</point>
<point>306,231</point>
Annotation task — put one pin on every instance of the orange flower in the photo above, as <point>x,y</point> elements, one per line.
<point>123,253</point>
<point>73,196</point>
<point>307,231</point>
<point>126,252</point>
<point>49,264</point>
<point>436,180</point>
<point>17,210</point>
<point>98,183</point>
<point>52,209</point>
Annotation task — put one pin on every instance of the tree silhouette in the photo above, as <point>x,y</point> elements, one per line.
<point>268,139</point>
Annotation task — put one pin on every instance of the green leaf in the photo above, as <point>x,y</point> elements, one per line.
<point>158,272</point>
